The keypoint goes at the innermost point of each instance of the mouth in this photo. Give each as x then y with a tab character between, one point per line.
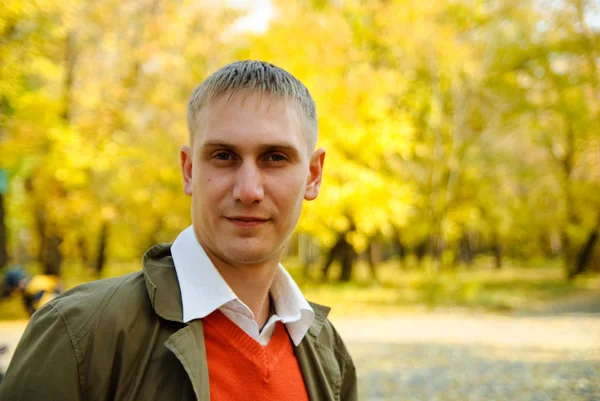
247	221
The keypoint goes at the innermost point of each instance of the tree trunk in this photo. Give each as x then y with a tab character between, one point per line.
52	257
49	253
82	247
346	273
586	252
374	257
497	250
566	253
567	163
465	250
399	249
101	254
437	246
331	255
420	252
347	258
40	226
3	235
345	254
402	255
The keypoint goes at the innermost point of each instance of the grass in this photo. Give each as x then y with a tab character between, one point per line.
515	287
479	289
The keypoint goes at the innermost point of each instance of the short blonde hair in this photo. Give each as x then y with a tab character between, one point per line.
252	76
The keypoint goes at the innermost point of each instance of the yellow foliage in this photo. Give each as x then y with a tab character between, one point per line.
420	108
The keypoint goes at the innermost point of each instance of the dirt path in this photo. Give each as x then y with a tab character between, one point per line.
550	332
10	332
550	353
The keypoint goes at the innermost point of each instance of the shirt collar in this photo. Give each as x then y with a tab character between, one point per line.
203	289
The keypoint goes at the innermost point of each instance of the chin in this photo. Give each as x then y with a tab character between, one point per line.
248	258
248	254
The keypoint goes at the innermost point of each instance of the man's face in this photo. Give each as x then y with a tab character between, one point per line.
248	172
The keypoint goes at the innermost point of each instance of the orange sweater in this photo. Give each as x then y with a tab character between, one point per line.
239	368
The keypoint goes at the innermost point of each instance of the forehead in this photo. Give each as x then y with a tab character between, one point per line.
251	119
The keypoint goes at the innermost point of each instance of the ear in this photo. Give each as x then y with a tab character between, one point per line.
186	169
315	174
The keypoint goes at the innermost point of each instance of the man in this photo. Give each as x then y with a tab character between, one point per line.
214	316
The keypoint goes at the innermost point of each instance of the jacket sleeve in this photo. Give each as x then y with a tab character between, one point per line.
44	365
349	387
349	384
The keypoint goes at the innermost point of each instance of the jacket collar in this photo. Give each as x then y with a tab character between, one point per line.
161	283
321	313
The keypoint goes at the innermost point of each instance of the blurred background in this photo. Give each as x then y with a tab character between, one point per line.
462	180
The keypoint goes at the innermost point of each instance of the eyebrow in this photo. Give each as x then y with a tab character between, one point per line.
284	147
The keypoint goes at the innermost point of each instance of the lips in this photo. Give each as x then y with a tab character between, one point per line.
247	221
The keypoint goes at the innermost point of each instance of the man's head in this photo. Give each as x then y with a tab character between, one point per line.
251	162
242	78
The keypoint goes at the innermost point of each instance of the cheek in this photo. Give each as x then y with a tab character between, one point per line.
288	192
212	188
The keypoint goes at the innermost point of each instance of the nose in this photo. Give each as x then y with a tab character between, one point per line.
248	187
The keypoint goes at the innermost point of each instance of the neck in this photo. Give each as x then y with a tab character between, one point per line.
250	283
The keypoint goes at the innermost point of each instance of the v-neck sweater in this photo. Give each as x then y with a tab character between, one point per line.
240	368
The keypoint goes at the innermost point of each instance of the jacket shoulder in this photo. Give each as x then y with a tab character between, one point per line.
116	298
324	333
326	362
330	336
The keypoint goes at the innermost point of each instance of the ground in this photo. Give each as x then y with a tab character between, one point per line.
552	353
463	358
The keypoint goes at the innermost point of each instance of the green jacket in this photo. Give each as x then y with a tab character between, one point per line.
124	339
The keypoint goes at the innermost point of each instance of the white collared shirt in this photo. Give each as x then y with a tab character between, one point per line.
203	290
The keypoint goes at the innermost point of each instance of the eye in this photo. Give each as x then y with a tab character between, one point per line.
276	157
222	156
